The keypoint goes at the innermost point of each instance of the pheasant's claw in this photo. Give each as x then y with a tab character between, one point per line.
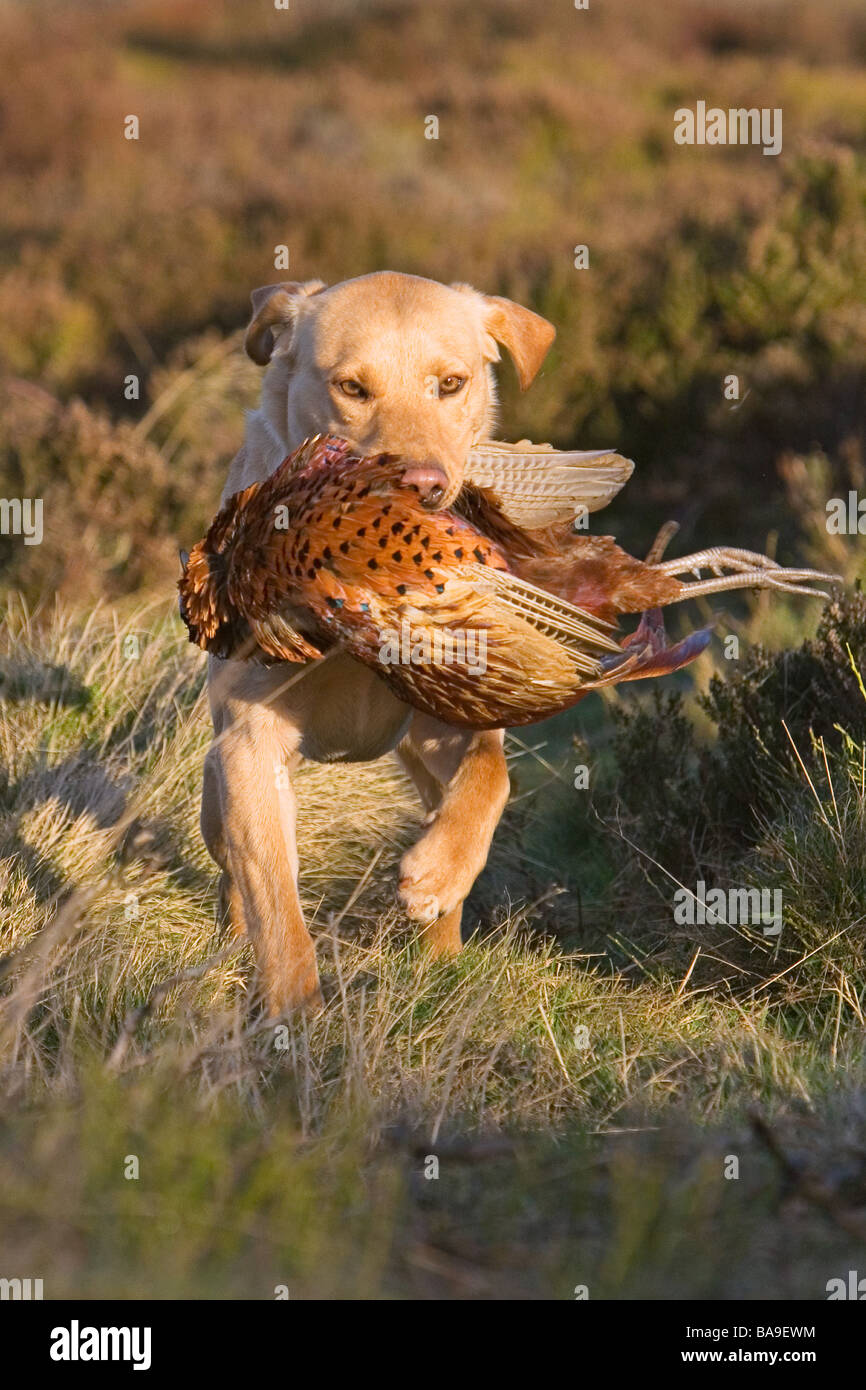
742	569
717	558
780	580
663	539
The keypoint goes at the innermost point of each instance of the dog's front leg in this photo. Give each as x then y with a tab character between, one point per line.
254	843
462	779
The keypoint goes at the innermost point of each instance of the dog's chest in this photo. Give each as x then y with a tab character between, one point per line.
348	715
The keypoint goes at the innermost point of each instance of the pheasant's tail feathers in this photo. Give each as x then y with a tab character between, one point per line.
200	595
277	640
535	485
579	632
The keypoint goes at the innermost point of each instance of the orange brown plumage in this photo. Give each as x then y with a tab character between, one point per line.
333	549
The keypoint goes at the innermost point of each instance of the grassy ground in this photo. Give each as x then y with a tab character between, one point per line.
582	1100
587	1073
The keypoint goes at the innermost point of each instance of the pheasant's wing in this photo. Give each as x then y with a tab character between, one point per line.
469	643
492	651
582	634
535	485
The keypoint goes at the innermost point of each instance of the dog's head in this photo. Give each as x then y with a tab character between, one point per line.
390	362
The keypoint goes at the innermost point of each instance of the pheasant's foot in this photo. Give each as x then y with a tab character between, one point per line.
717	559
742	569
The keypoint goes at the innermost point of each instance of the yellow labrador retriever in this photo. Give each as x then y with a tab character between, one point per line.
391	362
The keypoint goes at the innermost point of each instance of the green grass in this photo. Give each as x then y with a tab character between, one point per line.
581	1106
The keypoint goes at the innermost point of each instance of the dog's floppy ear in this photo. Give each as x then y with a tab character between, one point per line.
526	335
275	308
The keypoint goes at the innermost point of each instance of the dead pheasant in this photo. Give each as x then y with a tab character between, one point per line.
472	614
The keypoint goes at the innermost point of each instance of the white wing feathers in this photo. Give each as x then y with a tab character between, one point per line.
536	485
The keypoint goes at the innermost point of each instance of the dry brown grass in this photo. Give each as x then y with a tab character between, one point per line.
295	1154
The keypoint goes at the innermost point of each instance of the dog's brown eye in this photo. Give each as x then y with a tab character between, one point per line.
353	388
450	385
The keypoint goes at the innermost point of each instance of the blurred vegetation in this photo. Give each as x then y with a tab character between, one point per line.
768	707
585	1067
775	798
306	127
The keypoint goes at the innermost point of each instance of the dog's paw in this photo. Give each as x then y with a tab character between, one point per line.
419	906
292	985
435	876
